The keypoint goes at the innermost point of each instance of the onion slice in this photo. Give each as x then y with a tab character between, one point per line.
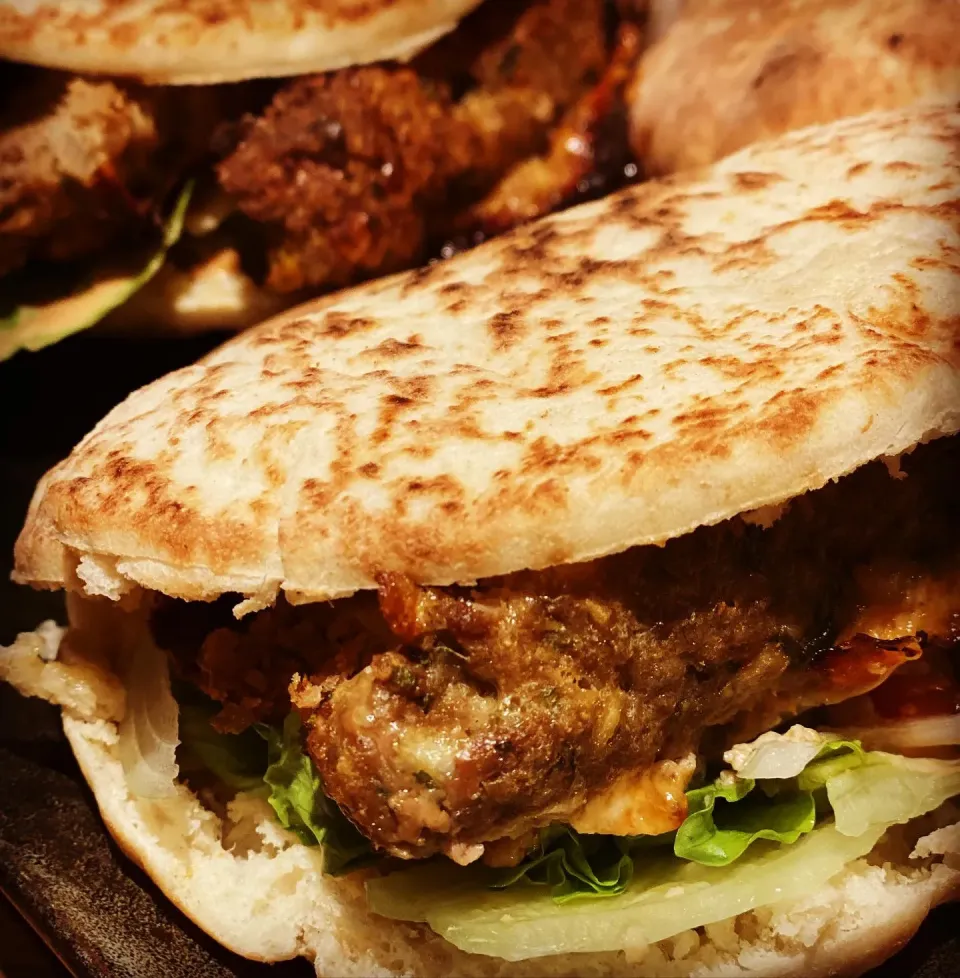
933	731
149	731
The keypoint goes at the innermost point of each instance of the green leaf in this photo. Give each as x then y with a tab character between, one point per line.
536	909
574	865
724	818
238	760
32	327
271	762
297	796
717	834
834	758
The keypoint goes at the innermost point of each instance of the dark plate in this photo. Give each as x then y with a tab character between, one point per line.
97	912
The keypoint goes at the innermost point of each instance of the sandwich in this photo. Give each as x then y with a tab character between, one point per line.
727	73
197	168
585	604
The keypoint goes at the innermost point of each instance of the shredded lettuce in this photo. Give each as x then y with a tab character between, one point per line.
745	842
297	796
32	327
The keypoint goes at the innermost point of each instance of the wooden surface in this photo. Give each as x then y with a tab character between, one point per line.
22	953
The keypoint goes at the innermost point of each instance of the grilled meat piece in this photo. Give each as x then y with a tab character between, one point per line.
351	174
521	704
336	177
586	154
522	80
341	169
510	705
83	161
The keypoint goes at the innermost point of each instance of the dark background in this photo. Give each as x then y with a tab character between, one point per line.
99	913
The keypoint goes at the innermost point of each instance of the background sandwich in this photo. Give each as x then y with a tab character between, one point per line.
470	598
727	73
215	166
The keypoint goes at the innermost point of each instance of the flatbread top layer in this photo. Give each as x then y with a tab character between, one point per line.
615	375
180	42
731	72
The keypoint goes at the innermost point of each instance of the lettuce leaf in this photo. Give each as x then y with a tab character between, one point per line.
717	835
888	789
238	760
832	805
724	818
297	796
32	327
791	769
575	865
271	762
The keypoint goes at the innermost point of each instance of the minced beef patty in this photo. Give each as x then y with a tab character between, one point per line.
444	719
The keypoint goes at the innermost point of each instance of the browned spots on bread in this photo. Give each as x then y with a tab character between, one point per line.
633	380
390	349
904	313
901	166
791	413
754	180
216	28
507	328
339	323
737	368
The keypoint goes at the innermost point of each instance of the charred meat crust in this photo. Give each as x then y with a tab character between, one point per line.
357	172
447	719
341	169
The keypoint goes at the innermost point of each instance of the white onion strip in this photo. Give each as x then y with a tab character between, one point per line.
934	731
149	731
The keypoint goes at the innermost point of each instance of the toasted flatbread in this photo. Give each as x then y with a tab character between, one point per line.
218	41
728	73
615	375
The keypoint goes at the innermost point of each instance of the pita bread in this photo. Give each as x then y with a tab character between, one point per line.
257	891
732	72
171	42
615	375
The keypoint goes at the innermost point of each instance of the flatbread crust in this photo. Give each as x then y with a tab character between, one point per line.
615	375
174	42
732	72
